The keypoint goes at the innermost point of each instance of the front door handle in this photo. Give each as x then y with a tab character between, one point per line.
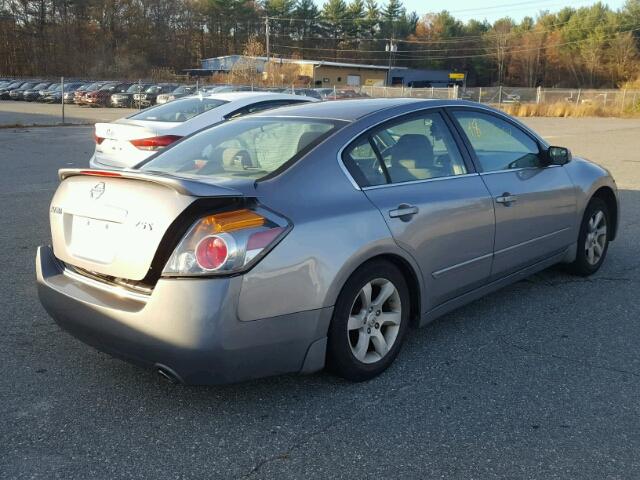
403	212
506	199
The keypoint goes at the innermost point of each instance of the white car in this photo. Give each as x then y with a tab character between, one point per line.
130	140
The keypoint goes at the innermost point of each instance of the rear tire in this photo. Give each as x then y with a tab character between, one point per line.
593	239
369	322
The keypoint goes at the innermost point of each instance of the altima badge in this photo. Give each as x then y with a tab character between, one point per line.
97	191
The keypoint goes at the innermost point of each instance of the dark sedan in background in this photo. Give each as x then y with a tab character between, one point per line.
149	96
5	92
33	94
55	95
181	91
125	99
17	93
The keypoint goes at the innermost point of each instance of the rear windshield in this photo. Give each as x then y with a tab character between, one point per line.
249	147
179	110
137	88
184	89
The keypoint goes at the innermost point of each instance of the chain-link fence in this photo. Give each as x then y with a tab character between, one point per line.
621	99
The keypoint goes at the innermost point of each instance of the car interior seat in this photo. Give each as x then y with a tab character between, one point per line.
412	159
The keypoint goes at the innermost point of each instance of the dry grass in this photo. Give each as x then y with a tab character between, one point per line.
565	109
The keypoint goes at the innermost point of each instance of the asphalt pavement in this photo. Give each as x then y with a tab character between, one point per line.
24	114
539	380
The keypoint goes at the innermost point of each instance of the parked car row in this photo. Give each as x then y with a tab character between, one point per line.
139	94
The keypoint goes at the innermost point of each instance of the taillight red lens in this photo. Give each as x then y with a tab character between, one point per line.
211	253
154	143
98	139
100	173
264	238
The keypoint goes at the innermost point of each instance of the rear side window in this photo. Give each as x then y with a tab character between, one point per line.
498	144
364	165
179	110
419	147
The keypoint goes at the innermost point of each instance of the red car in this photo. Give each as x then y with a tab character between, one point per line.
78	96
102	96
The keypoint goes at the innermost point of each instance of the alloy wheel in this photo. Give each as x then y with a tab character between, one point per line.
596	239
374	320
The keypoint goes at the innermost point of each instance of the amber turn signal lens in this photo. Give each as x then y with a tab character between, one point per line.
231	221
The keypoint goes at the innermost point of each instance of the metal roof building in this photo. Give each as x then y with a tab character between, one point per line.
321	73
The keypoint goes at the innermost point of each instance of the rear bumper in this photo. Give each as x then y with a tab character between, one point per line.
187	326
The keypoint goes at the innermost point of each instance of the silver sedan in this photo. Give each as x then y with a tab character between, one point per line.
314	235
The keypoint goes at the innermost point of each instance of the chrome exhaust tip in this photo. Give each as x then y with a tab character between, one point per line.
168	374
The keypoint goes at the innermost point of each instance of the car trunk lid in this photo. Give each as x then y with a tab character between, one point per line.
112	223
114	147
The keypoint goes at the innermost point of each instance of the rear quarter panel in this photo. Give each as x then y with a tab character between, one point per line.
336	229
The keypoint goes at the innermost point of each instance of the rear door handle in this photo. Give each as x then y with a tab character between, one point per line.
404	212
506	199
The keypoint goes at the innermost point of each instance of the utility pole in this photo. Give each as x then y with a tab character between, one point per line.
391	47
266	36
62	90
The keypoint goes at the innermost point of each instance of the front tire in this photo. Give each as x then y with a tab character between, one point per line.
369	322
593	240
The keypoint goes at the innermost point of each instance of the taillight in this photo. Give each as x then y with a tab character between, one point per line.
98	139
226	243
100	173
211	252
154	143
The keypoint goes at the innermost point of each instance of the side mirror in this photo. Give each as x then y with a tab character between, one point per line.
558	155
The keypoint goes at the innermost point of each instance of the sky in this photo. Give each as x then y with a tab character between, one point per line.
494	9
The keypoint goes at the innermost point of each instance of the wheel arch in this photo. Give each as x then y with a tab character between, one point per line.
607	195
410	272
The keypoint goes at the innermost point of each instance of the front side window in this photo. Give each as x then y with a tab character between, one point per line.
498	144
179	110
249	148
418	148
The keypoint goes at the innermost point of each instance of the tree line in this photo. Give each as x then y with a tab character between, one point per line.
591	46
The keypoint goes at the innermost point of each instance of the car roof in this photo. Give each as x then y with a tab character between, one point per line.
233	96
349	110
354	109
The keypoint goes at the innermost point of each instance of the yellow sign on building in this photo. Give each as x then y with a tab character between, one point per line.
456	76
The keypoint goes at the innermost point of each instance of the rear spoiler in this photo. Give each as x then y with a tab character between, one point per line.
180	185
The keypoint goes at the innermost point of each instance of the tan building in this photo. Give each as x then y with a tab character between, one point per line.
315	73
319	73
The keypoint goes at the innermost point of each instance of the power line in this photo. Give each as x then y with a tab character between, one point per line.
467	38
483	55
493	7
